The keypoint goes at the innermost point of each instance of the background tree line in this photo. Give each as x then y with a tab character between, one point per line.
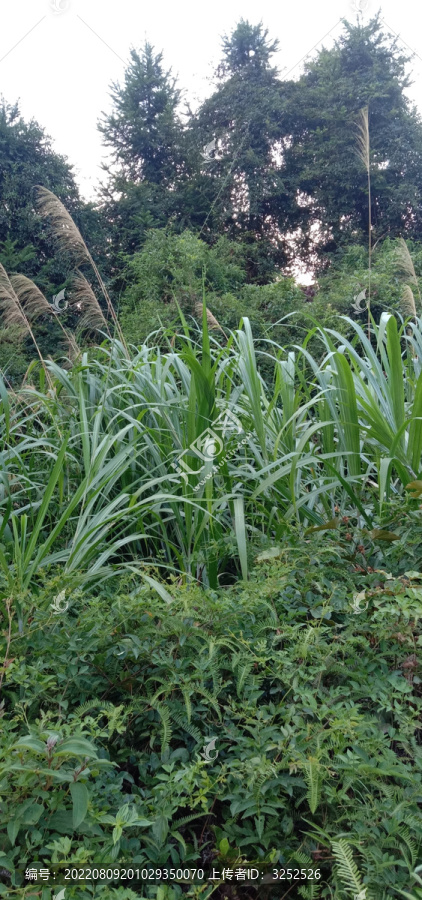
283	184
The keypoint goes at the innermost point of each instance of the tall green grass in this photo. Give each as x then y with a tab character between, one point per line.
89	475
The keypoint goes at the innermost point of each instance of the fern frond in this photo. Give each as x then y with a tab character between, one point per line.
314	782
303	859
86	707
348	871
404	834
211	700
188	704
183	723
184	820
164	714
311	891
244	671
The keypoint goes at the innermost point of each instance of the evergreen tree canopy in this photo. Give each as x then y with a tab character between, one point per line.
143	128
321	165
27	159
281	174
246	48
244	116
144	133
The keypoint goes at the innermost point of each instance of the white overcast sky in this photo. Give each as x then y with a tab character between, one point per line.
58	57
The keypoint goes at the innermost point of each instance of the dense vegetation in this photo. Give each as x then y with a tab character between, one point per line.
307	669
211	482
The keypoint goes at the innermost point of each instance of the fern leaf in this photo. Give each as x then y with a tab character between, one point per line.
188	704
164	714
183	723
348	871
313	780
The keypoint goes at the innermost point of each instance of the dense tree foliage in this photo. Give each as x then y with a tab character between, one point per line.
144	134
244	116
321	165
280	173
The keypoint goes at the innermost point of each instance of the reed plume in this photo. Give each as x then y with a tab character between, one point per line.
35	304
405	264
13	313
68	238
83	299
407	305
211	320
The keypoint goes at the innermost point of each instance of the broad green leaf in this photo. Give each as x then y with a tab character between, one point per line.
332	524
12	831
76	747
27	742
380	534
80	797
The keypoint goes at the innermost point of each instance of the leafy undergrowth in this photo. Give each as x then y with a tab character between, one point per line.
308	679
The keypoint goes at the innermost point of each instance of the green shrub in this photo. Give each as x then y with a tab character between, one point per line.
307	676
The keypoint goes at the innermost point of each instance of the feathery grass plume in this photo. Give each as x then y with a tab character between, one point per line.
35	304
64	231
33	301
212	321
408	308
10	308
405	264
363	151
83	299
68	237
407	303
13	314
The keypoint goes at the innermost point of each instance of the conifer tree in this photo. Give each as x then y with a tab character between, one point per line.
365	68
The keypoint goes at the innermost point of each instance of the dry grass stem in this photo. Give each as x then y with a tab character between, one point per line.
363	138
363	151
